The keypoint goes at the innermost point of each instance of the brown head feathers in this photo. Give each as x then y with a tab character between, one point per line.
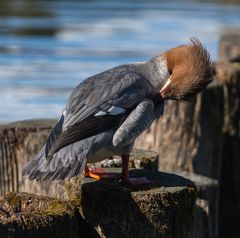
190	70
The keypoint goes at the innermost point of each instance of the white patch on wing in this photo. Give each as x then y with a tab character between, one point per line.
116	110
101	113
111	111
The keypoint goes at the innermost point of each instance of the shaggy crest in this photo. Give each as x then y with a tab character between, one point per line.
190	68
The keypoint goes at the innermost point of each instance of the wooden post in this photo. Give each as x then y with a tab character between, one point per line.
229	49
105	209
203	137
19	143
164	209
206	222
24	215
229	45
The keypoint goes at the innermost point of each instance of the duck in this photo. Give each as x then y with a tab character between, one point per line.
106	112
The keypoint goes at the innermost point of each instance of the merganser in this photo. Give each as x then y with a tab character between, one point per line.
106	113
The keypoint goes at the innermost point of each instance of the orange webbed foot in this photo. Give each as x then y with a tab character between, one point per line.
99	174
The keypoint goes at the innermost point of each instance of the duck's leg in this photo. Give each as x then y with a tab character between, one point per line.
125	171
125	174
99	174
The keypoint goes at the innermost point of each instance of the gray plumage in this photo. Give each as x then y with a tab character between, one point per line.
105	113
103	116
137	121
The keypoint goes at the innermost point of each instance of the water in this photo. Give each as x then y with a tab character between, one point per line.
48	47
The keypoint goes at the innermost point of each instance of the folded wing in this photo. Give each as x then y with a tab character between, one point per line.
138	120
95	107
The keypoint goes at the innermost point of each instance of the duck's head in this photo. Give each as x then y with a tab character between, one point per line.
189	68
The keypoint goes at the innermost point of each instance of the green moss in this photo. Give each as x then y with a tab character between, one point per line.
58	207
72	188
14	201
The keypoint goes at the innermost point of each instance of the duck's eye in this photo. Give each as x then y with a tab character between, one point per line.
173	87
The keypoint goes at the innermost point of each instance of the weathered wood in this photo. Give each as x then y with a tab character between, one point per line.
24	215
206	214
105	209
202	223
207	205
230	173
229	50
229	45
164	209
139	159
19	143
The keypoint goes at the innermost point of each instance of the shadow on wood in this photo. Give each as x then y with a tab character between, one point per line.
163	209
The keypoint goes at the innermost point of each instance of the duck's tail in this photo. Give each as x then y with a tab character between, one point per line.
66	163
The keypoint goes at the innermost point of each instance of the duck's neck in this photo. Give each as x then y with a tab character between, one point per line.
154	70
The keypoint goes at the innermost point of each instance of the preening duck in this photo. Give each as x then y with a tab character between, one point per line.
106	112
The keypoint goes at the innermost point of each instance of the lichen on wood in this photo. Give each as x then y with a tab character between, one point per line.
29	215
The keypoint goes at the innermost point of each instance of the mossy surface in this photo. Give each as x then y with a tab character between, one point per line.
161	209
26	214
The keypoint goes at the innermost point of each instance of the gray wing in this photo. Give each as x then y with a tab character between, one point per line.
97	92
138	120
98	104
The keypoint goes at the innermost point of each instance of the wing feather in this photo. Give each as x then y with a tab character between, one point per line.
95	94
54	134
86	128
138	120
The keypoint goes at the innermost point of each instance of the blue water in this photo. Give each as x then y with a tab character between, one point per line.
48	47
